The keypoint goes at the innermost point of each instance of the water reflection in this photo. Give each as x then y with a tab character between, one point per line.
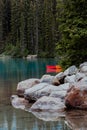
77	119
23	69
16	119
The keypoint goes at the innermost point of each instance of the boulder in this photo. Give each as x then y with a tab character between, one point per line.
71	70
82	64
18	102
79	76
59	94
83	69
46	78
30	94
50	104
69	79
77	95
55	81
43	89
23	85
61	91
84	79
31	57
49	79
60	77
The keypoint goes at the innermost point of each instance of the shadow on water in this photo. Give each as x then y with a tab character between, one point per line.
11	72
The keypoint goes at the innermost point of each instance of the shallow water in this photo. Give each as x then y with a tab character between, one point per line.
11	72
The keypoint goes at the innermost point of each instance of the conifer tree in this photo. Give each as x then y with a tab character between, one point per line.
73	28
15	21
6	17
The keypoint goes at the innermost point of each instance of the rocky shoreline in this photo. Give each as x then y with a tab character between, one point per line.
66	89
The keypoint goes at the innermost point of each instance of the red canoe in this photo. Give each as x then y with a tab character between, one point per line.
53	68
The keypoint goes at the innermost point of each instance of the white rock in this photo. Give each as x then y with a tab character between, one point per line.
59	76
59	94
43	89
18	102
83	64
83	69
79	76
48	104
31	93
71	70
46	78
69	79
23	85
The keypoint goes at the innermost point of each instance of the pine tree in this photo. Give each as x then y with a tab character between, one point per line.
28	27
15	21
47	32
6	17
73	28
1	4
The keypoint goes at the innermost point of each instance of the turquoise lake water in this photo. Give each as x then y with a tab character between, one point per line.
11	72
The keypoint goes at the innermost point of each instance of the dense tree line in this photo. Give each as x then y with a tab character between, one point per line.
47	28
72	19
28	27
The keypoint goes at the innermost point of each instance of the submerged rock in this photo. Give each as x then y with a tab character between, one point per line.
48	104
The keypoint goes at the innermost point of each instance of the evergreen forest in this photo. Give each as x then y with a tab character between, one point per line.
48	28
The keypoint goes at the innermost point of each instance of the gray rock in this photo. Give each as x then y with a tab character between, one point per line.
60	77
48	104
43	89
18	102
59	94
61	91
30	57
83	64
71	70
79	76
77	95
23	85
46	78
69	79
83	69
31	93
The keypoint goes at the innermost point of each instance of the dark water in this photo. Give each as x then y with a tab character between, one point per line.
11	72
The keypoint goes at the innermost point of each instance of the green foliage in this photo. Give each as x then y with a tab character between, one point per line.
14	51
73	32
